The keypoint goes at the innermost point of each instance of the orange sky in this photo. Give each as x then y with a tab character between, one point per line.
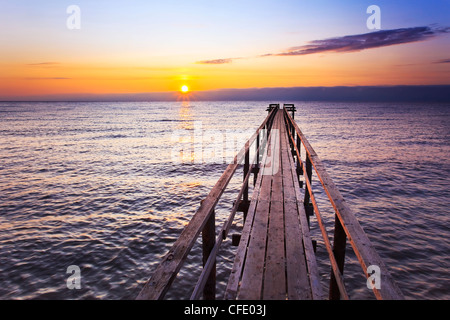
43	57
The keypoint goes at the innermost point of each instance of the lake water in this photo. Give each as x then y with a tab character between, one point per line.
105	187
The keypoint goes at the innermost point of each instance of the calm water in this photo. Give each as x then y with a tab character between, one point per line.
104	186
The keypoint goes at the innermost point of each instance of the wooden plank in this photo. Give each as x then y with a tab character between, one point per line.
211	261
289	194
252	276
275	274
241	253
337	269
363	248
298	284
298	287
161	279
337	287
316	288
253	270
239	260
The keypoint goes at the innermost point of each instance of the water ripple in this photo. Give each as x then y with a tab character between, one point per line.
95	185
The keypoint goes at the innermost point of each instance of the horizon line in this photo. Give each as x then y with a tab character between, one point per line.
438	92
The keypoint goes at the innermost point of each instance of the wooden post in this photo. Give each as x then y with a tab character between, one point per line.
256	165
257	148
208	238
289	132
293	134
299	164
340	240
246	170
308	207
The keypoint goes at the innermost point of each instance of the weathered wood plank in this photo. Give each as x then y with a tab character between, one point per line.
253	269
316	288
236	271
253	272
275	274
336	270
364	250
272	225
158	284
241	253
275	257
210	263
298	286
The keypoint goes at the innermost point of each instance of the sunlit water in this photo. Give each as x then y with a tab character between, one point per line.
103	186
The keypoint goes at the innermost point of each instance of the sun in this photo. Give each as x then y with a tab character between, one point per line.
185	93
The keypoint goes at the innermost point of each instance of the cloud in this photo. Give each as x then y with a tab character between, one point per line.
354	43
365	41
43	64
48	78
443	61
217	61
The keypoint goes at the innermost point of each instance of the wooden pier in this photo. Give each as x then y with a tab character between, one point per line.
275	258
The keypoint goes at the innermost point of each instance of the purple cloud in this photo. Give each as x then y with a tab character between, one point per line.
365	41
357	42
216	61
443	61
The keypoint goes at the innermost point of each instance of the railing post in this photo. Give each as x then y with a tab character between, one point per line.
293	134
256	165
246	170
340	240
208	238
299	161
308	206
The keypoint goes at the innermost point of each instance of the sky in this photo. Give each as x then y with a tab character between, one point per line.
136	46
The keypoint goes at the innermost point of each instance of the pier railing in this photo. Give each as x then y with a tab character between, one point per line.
346	225
203	222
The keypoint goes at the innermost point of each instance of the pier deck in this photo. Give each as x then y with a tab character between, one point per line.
275	258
